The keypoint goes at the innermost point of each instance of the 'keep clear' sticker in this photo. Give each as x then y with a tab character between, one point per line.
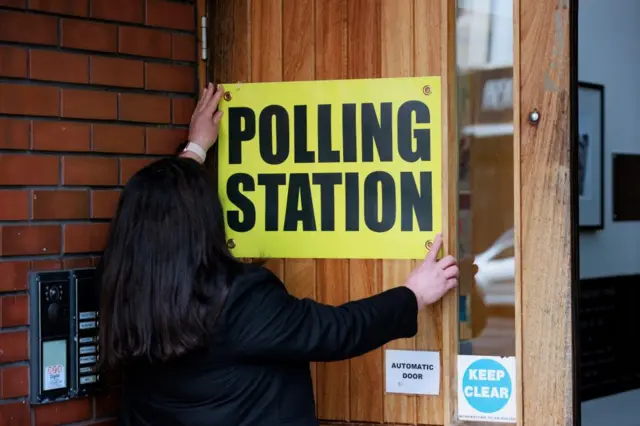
486	391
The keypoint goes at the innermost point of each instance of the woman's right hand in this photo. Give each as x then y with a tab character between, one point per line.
433	278
206	117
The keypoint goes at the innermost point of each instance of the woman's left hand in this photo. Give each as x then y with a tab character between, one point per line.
206	117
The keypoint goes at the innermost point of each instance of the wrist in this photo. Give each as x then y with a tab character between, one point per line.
196	151
419	298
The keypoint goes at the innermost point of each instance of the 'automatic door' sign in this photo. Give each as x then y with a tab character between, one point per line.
332	169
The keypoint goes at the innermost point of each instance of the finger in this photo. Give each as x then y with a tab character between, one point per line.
210	108
435	248
452	283
202	95
451	272
447	261
207	97
217	117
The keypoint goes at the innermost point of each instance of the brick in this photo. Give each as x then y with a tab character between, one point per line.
13	276
87	35
77	263
14	381
182	110
170	78
104	203
183	47
145	42
13	62
179	16
14	310
31	240
62	7
46	265
118	10
14	346
29	170
85	237
95	171
91	104
164	140
14	133
42	29
59	205
114	138
62	413
29	100
14	205
58	66
145	108
108	404
61	136
129	167
15	414
117	72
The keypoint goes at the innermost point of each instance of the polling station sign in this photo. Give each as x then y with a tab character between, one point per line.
332	169
486	389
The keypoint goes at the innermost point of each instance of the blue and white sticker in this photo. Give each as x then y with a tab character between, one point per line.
486	388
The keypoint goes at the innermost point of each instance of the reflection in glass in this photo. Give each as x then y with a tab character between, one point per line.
485	181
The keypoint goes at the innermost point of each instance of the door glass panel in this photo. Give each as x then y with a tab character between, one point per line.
485	181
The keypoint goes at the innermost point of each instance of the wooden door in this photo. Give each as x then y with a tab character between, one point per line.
288	40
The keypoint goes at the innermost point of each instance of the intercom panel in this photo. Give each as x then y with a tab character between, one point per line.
64	335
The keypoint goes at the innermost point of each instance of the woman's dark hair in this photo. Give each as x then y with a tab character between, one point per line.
165	272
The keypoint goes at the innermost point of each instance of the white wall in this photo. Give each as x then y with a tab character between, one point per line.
609	54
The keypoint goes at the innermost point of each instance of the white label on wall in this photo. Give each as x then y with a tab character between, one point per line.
87	379
87	350
87	315
87	359
86	325
486	388
412	372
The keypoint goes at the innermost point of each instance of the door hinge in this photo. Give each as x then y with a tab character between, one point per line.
204	52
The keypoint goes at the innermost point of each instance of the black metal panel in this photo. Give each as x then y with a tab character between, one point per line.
608	333
626	187
64	335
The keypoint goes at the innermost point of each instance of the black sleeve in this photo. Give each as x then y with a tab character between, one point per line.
263	320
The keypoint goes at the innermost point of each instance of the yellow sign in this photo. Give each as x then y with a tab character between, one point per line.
345	169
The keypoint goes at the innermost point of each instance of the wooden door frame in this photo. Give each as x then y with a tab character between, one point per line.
545	197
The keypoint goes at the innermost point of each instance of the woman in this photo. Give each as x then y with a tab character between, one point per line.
204	339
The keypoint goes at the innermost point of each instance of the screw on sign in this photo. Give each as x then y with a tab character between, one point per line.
487	386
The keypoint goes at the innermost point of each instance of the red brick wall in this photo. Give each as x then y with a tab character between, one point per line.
90	91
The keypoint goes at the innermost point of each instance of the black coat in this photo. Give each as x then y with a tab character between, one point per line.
258	371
